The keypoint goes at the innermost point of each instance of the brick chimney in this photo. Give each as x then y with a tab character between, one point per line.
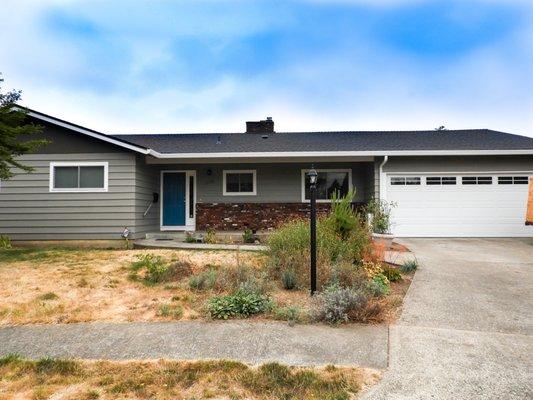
264	126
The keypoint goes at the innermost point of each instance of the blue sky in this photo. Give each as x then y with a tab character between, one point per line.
207	65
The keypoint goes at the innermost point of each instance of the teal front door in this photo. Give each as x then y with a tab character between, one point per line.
174	192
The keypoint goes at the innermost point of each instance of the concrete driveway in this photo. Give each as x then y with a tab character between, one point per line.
466	331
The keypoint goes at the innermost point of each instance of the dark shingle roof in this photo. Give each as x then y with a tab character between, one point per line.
471	139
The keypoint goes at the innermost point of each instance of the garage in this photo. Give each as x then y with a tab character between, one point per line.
459	205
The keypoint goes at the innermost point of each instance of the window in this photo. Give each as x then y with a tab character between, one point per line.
510	180
239	183
477	180
78	177
328	182
405	180
441	180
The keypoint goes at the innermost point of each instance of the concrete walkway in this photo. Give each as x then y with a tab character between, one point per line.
249	342
466	331
180	244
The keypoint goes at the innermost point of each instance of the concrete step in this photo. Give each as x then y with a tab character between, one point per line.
180	235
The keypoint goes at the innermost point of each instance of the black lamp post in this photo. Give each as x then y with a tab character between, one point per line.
312	188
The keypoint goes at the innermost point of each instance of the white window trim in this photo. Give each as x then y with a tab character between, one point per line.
79	164
305	171
239	171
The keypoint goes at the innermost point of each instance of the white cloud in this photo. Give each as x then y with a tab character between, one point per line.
367	89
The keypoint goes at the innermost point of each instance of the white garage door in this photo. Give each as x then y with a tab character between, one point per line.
453	205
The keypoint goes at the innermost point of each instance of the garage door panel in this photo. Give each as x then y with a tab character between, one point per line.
459	210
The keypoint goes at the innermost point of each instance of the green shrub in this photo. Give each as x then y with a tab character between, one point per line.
392	274
239	304
342	214
288	279
347	275
205	280
409	266
334	305
289	248
248	236
5	242
210	236
381	212
189	238
380	285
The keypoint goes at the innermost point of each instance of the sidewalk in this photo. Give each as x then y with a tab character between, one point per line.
249	342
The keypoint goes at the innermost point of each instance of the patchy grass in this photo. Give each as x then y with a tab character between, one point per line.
52	378
67	285
64	285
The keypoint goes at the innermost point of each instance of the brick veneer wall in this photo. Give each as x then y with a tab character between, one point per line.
256	216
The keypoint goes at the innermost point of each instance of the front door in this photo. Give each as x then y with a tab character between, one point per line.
174	199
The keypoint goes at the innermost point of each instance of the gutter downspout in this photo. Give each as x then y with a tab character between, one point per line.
383	180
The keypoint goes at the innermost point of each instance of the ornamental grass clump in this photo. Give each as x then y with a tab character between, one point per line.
342	238
409	266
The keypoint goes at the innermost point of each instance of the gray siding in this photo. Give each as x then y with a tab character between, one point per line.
276	183
146	183
29	211
459	164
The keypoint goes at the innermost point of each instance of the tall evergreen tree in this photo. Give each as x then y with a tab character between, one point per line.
14	127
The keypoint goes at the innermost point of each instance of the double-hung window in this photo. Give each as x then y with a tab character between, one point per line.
78	176
239	182
328	182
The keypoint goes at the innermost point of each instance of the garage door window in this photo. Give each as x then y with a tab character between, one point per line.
441	180
512	180
477	180
405	180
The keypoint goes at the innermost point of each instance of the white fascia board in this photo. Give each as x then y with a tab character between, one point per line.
100	136
297	154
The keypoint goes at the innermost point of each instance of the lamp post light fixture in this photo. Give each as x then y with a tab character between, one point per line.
313	175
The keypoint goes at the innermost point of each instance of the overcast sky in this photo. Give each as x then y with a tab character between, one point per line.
202	66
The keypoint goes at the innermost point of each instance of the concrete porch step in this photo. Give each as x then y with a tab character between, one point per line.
180	235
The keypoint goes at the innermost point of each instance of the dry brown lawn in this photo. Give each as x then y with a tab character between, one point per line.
43	285
86	380
65	286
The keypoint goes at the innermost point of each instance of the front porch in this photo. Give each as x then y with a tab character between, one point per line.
230	198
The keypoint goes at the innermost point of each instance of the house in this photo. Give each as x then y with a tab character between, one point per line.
89	185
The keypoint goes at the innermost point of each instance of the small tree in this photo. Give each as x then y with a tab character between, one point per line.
13	125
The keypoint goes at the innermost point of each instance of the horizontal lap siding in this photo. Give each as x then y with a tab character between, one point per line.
28	211
276	183
146	183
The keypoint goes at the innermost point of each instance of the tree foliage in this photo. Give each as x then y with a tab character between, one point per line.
14	127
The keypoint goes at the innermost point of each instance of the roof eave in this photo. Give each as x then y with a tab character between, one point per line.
297	154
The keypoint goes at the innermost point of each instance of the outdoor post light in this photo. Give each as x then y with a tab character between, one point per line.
312	188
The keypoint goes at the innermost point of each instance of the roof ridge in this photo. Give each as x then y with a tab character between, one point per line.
307	132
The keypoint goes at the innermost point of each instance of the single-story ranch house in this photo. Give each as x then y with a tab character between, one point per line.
89	185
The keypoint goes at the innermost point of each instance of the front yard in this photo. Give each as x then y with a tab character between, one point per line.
354	283
66	286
